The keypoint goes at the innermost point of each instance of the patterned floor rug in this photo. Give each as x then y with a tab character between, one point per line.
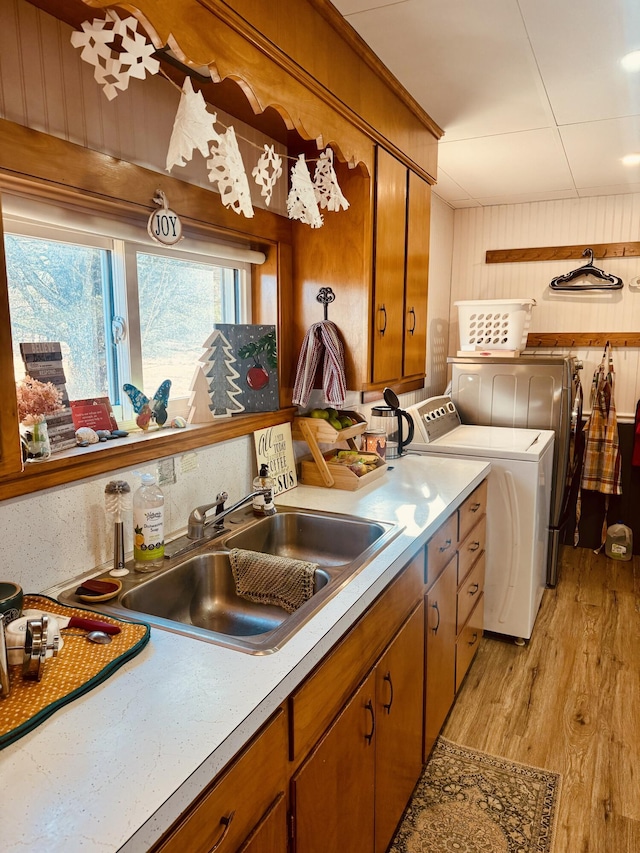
470	802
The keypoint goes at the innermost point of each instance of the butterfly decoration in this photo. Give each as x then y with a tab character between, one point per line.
146	409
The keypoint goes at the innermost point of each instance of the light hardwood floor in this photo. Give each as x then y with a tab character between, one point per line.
570	701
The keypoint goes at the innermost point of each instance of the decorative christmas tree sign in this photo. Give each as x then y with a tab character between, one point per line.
242	369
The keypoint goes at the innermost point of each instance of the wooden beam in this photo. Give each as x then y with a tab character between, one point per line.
581	340
562	253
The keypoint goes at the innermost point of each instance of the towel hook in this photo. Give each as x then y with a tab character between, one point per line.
325	295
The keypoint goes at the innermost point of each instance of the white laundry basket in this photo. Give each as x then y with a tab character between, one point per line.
496	324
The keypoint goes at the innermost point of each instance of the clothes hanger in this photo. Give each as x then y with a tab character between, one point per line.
563	282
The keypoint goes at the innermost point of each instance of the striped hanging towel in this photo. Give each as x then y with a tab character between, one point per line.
601	464
321	336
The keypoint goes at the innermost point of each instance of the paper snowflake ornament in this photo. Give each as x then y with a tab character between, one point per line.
226	169
301	201
193	127
328	192
116	50
267	171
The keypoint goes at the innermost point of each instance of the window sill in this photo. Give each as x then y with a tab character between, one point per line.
79	463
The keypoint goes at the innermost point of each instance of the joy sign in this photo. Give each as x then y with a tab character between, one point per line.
164	225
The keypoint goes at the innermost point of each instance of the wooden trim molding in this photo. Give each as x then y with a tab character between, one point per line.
562	253
138	448
581	340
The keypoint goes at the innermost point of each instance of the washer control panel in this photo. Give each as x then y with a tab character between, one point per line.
434	418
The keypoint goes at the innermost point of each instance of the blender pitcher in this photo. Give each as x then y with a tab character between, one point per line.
389	418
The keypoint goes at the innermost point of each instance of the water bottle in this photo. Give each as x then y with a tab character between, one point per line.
619	542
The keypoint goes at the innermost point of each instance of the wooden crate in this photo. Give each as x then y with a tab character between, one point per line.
313	474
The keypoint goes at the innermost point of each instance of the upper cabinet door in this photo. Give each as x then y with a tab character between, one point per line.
10	452
417	276
389	258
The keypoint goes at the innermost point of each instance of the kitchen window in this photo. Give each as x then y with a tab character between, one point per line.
123	308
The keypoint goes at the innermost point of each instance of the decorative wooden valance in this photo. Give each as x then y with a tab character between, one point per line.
562	253
581	340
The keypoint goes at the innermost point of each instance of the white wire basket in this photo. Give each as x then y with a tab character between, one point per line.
494	324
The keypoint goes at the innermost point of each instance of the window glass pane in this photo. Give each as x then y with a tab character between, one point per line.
179	301
56	293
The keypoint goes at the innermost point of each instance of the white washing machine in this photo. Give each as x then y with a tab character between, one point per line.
519	496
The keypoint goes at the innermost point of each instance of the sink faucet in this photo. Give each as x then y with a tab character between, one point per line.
197	518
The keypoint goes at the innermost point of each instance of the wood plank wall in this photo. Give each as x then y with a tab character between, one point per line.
600	219
46	86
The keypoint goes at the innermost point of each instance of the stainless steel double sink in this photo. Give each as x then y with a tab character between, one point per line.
195	593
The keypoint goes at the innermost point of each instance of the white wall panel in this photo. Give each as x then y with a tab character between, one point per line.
603	219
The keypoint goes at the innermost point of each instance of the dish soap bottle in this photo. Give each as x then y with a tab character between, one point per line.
148	525
263	504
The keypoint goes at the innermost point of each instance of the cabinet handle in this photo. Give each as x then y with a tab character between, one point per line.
387	707
413	328
383	310
474	546
473	588
446	546
369	707
226	823
437	609
475	507
474	639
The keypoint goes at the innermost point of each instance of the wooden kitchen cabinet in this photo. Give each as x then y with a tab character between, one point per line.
240	801
10	450
454	579
440	641
401	264
398	707
353	783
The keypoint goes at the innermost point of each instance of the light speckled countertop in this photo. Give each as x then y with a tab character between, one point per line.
112	770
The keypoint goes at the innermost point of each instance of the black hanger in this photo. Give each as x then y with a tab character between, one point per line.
563	282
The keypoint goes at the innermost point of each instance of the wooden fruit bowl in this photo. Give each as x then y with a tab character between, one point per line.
323	432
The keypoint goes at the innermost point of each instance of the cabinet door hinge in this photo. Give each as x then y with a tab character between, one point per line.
292	826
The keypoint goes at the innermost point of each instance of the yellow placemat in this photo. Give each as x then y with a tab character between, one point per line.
78	666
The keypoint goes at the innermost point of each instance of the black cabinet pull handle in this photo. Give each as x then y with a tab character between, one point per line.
437	609
475	507
474	639
225	823
383	310
369	707
413	327
473	588
387	706
446	546
474	546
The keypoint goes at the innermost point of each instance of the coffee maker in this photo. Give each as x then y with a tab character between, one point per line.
390	419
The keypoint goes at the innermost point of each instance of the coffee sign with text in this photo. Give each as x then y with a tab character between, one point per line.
274	447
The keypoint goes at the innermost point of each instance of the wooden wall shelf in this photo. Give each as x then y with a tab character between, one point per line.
581	340
562	253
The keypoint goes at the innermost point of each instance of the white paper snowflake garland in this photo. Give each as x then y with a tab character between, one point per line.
328	192
267	171
116	50
301	201
226	169
193	127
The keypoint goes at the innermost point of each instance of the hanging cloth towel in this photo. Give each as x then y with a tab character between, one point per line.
601	465
323	336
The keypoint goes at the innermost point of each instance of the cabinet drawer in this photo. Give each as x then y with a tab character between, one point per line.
471	548
316	702
441	547
228	811
470	590
468	642
471	510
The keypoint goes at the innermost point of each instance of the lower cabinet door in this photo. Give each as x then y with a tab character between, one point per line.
332	793
440	627
270	835
399	700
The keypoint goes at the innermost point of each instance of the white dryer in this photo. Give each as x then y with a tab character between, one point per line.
519	496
